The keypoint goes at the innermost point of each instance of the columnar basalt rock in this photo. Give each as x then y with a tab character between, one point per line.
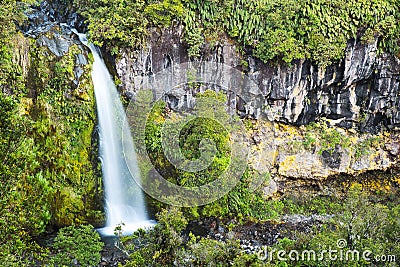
360	91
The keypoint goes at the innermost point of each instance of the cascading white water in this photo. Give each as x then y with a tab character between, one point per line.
124	198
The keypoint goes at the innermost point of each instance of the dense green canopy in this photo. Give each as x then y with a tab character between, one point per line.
272	29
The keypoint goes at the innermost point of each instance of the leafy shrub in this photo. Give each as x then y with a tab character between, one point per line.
124	23
191	135
159	245
364	147
77	245
24	188
327	137
207	252
162	13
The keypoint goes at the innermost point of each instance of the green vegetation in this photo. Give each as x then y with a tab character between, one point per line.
41	183
63	120
361	222
309	141
241	201
11	12
332	138
24	191
48	172
364	147
77	246
327	137
272	30
159	246
165	245
124	23
189	142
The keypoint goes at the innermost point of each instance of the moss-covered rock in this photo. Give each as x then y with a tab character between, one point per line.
317	152
50	174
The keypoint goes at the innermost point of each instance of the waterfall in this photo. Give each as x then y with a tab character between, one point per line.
123	197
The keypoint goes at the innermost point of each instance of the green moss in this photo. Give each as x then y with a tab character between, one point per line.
364	147
65	119
47	174
309	141
327	137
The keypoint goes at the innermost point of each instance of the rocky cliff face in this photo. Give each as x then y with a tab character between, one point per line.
50	25
360	91
355	102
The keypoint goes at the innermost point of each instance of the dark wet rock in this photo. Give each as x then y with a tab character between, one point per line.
57	44
197	228
252	236
52	25
44	16
393	147
111	255
298	218
332	158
